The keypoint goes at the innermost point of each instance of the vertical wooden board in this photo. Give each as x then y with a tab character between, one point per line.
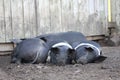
65	8
86	14
103	17
94	18
26	15
33	18
118	15
97	27
113	9
75	12
73	22
106	7
55	15
71	18
8	20
106	16
2	23
29	18
17	18
43	16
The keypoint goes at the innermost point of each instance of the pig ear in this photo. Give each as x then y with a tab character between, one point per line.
89	49
55	50
44	39
100	59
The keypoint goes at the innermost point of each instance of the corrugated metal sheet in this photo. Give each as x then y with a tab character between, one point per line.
28	18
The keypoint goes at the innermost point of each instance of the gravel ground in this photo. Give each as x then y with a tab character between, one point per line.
107	70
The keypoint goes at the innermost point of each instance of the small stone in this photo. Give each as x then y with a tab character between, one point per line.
18	66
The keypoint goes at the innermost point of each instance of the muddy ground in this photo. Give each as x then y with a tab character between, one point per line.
107	70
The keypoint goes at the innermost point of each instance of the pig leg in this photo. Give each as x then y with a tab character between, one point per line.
16	60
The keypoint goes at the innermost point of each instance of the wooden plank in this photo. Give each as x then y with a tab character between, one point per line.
106	16
8	20
81	23
33	18
87	18
55	15
6	47
17	19
65	8
75	12
43	16
73	24
113	10
96	37
103	18
2	22
95	19
5	53
118	15
29	18
26	14
98	28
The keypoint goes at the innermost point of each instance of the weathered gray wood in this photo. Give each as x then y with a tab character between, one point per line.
103	16
5	53
29	18
55	15
98	37
66	14
106	17
17	19
33	18
73	16
98	24
114	9
118	15
43	16
2	22
96	18
6	47
26	17
8	20
86	10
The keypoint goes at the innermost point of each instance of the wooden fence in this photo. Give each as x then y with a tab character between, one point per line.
29	18
115	4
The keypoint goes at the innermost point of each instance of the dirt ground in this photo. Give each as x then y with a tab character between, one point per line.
107	70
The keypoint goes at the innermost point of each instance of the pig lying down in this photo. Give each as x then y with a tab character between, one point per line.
69	37
32	50
85	51
88	52
62	53
36	51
